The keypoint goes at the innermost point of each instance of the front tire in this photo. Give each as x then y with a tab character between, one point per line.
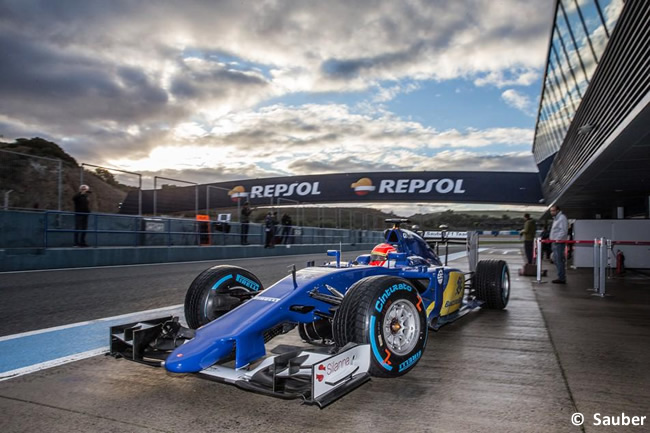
387	313
217	291
492	283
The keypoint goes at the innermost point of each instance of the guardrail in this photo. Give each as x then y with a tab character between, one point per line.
108	230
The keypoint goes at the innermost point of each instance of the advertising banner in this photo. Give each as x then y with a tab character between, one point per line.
442	186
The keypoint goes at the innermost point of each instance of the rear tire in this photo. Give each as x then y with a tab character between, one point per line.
492	283
217	291
387	313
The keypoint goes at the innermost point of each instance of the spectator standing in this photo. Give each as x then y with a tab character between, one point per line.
269	229
528	233
244	220
559	232
286	228
81	209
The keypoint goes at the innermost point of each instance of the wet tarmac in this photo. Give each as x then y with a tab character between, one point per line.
554	351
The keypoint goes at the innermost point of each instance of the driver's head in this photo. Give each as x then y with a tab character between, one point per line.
379	254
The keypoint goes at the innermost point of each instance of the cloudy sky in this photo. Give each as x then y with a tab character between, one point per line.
218	90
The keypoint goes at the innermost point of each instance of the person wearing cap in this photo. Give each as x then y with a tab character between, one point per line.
81	209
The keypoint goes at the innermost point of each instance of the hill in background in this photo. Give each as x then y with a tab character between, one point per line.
34	181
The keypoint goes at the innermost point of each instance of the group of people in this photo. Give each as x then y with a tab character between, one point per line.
272	235
558	233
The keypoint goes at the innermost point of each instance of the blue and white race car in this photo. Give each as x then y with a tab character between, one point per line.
368	317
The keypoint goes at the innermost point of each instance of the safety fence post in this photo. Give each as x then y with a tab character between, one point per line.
602	269
596	267
610	254
45	229
538	243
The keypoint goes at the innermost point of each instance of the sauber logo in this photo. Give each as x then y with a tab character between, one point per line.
363	186
320	377
237	192
409	186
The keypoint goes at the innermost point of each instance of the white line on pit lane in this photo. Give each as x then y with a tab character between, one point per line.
53	363
136	315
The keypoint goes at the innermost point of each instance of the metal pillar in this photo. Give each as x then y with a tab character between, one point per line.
602	274
60	183
538	242
596	266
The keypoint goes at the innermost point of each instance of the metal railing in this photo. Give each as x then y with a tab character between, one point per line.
114	230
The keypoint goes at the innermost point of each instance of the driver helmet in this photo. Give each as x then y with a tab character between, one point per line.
379	254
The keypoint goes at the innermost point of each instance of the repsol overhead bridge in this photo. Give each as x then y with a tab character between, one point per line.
441	186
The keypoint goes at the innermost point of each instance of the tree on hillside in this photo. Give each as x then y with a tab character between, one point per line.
106	176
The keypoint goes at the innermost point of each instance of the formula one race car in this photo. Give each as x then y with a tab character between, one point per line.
368	317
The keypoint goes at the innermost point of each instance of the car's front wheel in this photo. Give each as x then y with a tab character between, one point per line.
216	291
387	313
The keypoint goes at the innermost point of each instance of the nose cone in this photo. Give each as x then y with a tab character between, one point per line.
197	354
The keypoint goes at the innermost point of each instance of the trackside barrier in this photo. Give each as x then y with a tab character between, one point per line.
126	230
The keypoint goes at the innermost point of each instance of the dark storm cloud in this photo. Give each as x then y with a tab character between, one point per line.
48	85
214	83
345	69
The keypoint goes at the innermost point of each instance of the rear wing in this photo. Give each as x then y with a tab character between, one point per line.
468	238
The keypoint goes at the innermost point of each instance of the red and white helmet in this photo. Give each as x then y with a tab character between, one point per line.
379	254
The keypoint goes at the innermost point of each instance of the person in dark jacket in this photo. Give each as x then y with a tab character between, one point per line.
528	233
244	220
286	228
81	209
269	229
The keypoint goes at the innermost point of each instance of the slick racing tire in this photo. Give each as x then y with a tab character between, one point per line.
387	313
216	291
492	283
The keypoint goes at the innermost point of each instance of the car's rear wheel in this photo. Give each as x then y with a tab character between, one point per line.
492	283
387	313
216	291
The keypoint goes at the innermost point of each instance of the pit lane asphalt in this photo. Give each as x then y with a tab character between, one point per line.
492	370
